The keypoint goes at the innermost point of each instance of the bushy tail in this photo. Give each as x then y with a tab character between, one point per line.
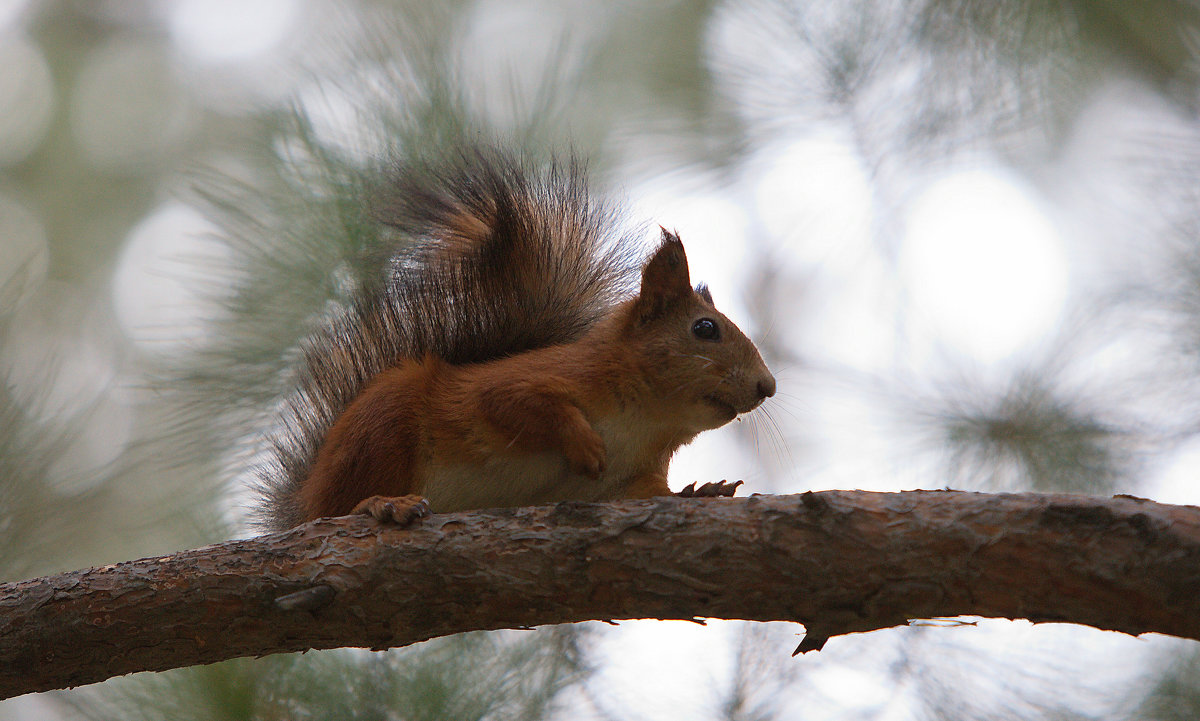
499	257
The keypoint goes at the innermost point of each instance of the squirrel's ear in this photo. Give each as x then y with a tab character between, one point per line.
665	279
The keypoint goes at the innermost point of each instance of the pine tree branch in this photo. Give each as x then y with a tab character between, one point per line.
837	561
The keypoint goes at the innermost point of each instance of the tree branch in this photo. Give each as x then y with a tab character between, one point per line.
838	562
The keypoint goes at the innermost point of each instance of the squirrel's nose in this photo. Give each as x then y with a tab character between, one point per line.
766	386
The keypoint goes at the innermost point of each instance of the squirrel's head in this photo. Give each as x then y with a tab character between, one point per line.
713	370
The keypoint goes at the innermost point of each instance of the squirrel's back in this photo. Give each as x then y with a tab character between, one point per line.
495	255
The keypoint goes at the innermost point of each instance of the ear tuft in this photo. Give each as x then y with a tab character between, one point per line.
671	250
665	279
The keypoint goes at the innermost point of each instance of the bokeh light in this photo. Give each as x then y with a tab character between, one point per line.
157	295
814	197
229	31
984	264
10	10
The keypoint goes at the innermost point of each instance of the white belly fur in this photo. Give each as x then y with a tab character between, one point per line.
538	478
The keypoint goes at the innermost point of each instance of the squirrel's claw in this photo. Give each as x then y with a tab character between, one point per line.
398	510
710	490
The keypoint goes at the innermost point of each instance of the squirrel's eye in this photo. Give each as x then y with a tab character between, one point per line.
706	329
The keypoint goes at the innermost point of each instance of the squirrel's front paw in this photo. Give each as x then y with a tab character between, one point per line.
585	454
710	490
400	510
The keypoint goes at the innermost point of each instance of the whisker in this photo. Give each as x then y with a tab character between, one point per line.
783	407
780	442
769	426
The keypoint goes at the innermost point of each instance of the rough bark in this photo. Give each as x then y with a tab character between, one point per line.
838	562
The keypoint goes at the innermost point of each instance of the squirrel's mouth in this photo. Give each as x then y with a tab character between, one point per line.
726	408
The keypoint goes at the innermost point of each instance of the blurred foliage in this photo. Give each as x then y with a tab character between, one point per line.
27	498
280	152
761	683
1173	696
469	677
1032	436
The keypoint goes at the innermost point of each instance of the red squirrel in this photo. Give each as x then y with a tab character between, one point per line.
515	356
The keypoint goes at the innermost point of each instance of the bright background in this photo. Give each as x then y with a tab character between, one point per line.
964	235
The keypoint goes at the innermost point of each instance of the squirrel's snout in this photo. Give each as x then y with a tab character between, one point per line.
766	387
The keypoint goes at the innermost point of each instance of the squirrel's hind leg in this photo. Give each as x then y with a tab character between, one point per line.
400	510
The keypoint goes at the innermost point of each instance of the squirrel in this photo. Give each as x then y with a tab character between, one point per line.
514	355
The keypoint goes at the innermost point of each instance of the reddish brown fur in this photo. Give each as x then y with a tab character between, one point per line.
641	376
372	448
